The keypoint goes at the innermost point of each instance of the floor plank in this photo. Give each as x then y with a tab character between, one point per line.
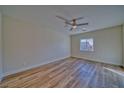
68	73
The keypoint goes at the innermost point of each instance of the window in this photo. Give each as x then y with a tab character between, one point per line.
86	44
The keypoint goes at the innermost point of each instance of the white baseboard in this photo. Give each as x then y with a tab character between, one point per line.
30	67
101	61
115	71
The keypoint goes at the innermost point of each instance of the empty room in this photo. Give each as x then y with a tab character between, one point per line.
61	46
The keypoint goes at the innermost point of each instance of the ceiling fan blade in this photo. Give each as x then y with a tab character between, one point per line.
79	18
62	18
82	24
71	29
68	23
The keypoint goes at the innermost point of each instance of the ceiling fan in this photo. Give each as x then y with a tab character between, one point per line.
72	22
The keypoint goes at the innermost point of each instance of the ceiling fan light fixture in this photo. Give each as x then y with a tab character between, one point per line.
74	27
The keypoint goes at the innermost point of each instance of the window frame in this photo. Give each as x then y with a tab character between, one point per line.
86	50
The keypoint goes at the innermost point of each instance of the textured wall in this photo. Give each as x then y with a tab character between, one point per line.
27	45
107	45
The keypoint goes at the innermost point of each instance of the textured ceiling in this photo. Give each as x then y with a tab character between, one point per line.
99	17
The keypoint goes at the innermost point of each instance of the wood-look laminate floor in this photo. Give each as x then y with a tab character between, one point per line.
68	73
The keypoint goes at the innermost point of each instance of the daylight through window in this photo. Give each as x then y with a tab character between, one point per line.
86	44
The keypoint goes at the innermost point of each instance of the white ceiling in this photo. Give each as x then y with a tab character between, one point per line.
99	17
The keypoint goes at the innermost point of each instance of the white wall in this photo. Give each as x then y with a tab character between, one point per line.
1	59
27	45
107	45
